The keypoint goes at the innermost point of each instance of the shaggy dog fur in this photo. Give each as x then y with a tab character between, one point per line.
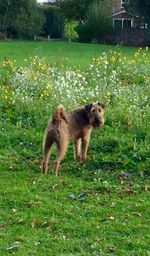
74	125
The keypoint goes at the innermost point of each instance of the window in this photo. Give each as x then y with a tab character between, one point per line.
123	2
122	23
117	24
127	24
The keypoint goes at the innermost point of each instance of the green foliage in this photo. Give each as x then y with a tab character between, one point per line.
54	22
98	22
141	8
98	18
20	19
70	30
85	32
73	9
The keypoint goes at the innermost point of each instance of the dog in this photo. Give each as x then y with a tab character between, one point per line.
73	125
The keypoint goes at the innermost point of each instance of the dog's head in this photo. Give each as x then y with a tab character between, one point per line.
95	114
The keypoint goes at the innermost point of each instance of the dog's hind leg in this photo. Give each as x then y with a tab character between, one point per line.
46	153
61	147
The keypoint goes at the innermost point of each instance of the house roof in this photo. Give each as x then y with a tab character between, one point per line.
123	14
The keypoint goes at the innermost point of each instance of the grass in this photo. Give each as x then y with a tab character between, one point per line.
100	207
72	54
40	218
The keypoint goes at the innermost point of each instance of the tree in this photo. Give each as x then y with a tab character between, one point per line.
141	8
54	21
21	18
70	30
74	9
99	18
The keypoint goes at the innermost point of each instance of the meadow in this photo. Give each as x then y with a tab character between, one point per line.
100	207
73	54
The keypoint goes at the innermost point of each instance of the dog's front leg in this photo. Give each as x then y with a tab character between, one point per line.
85	143
77	150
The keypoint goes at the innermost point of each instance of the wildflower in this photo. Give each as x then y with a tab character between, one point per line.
113	58
48	86
136	54
132	61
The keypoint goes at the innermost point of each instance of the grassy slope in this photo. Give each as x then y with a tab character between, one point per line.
38	214
39	217
76	53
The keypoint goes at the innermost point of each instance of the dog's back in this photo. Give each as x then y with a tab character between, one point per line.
77	122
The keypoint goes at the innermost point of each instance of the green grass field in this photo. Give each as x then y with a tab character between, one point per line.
102	206
73	54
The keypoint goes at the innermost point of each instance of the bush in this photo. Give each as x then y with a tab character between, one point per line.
98	22
2	36
85	32
99	19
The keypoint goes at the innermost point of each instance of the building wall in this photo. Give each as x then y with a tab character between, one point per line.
117	6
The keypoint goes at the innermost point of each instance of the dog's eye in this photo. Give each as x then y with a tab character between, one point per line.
99	110
93	110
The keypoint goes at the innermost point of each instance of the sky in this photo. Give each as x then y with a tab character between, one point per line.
41	1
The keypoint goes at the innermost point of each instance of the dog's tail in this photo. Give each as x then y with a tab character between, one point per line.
59	114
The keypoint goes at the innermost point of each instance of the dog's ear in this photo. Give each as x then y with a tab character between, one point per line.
88	107
102	105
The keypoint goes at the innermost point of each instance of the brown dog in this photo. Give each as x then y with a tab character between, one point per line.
74	125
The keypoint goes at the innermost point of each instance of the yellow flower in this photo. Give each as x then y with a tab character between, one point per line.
136	54
48	86
113	58
132	61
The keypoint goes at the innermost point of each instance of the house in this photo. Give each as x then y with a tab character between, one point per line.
129	29
121	18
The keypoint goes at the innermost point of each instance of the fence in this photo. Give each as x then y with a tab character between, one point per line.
130	36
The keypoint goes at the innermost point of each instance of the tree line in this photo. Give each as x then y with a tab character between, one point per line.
85	19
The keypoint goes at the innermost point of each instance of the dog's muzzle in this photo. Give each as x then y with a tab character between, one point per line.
98	122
